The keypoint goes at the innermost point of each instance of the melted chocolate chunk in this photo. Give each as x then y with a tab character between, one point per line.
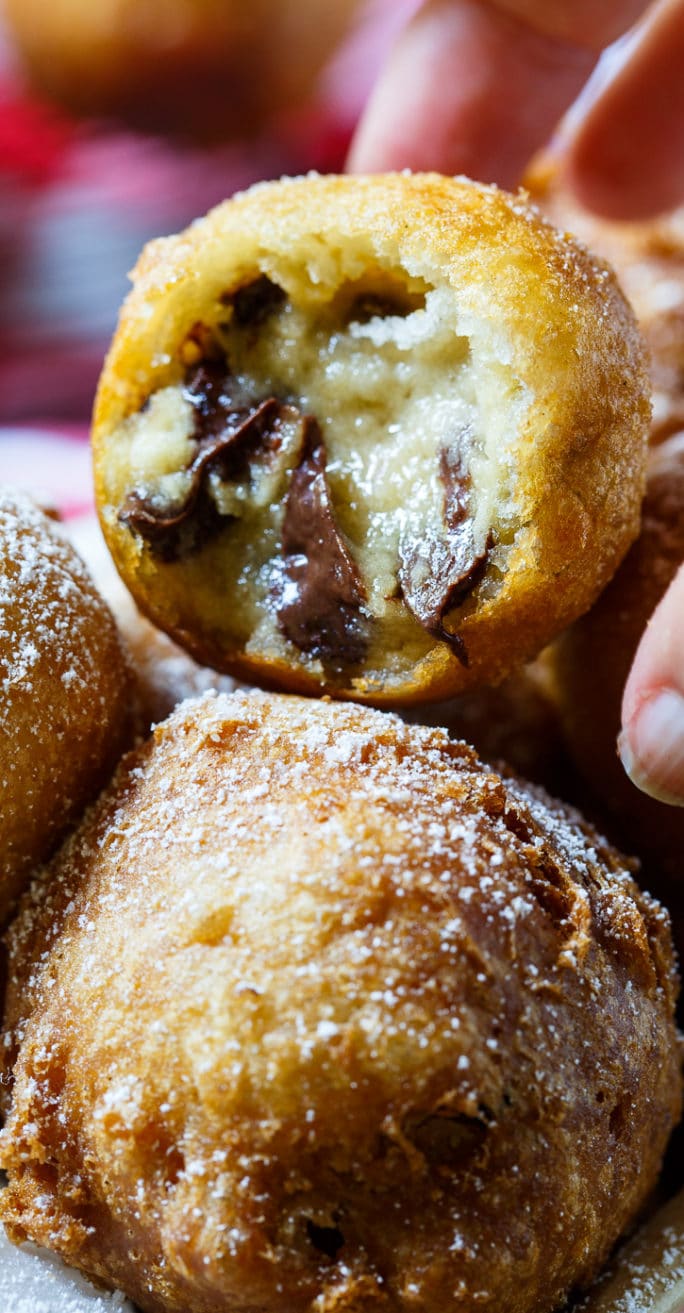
253	304
321	602
438	573
218	400
230	429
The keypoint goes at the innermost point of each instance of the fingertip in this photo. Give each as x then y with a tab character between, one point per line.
606	194
625	159
621	179
651	742
651	747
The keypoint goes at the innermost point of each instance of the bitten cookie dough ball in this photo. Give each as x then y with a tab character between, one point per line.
204	69
317	1013
378	437
590	667
64	690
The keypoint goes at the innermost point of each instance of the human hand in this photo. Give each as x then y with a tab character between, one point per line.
477	87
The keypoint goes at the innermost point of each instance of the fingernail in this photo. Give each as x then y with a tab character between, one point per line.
651	747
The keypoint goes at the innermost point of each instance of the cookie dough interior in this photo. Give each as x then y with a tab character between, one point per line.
344	462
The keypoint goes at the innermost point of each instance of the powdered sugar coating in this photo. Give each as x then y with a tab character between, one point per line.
317	1009
33	1281
63	688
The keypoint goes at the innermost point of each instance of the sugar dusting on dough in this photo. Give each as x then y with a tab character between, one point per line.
63	685
34	1281
39	569
378	934
647	1273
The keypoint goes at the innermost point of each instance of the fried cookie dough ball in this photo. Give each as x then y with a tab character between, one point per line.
64	690
378	437
590	667
318	1013
205	69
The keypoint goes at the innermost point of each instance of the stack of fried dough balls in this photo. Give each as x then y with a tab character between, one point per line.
316	1012
65	688
586	670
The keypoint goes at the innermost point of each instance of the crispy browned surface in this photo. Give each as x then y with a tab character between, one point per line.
332	1018
64	690
204	68
591	662
533	300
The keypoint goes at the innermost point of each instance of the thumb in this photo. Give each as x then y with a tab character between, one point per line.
651	743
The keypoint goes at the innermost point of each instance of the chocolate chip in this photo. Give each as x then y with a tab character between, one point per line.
172	533
217	399
321	603
230	429
253	303
439	572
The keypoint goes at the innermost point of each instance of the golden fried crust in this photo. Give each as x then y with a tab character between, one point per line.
317	1013
204	68
64	690
554	374
590	665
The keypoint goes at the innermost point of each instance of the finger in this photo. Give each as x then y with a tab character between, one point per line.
455	95
583	22
626	160
651	744
477	88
